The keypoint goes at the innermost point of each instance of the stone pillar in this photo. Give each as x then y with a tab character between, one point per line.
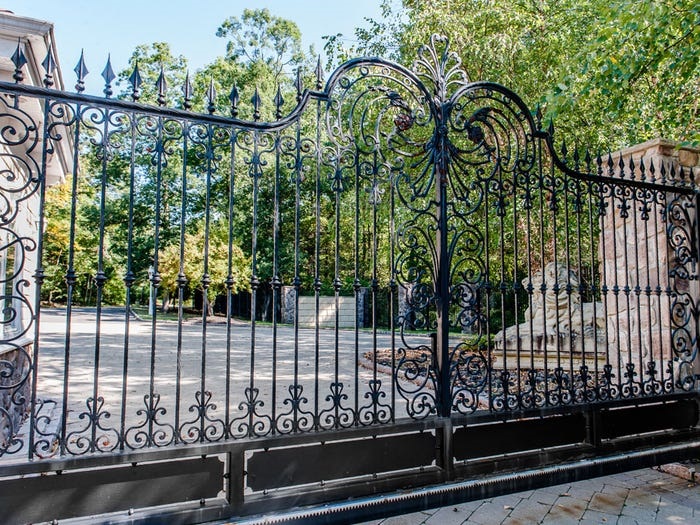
640	265
288	304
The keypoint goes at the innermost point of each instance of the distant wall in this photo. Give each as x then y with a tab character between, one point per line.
349	309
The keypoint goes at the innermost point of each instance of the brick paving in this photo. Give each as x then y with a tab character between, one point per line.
638	497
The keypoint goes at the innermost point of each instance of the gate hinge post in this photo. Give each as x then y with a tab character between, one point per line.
592	417
444	457
236	474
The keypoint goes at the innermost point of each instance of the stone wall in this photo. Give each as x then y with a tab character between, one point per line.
637	258
15	391
349	309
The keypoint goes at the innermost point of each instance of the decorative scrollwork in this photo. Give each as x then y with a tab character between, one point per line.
375	412
152	431
416	380
296	418
336	415
93	435
203	427
252	423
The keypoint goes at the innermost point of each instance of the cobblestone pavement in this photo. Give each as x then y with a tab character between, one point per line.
639	497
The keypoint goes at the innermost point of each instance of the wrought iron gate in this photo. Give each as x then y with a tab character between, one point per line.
479	302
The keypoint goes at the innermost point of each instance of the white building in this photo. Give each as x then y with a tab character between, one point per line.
22	166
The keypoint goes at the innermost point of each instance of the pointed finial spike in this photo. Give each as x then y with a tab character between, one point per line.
211	97
298	84
279	101
109	76
319	74
81	72
256	104
652	170
135	81
538	116
621	165
187	92
49	65
19	60
550	130
162	87
577	158
234	98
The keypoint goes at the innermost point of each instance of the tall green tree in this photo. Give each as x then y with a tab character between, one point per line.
611	73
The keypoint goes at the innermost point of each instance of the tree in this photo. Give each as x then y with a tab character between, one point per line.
640	74
611	74
259	38
193	250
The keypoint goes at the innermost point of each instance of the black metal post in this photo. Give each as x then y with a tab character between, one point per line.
442	274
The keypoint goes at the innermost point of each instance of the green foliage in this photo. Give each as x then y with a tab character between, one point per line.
259	38
641	71
611	73
58	249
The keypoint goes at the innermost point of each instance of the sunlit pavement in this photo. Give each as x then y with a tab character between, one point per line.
638	497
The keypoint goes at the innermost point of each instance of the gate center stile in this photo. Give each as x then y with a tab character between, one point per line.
442	286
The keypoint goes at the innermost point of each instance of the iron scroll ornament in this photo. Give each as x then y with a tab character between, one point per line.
445	146
451	149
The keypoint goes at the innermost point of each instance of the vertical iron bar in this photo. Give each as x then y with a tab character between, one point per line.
206	280
181	282
317	264
254	282
38	276
543	288
375	281
627	288
128	279
578	211
336	286
595	288
637	288
487	286
502	287
356	285
658	290
569	287
515	289
616	283
296	393
604	288
276	282
100	278
554	208
392	292
155	281
442	272
530	320
71	279
647	289
229	279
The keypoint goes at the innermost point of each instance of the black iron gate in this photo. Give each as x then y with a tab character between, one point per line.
435	295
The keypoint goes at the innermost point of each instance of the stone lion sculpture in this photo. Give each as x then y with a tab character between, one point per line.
556	312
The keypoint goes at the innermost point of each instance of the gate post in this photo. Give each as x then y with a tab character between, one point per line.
442	273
